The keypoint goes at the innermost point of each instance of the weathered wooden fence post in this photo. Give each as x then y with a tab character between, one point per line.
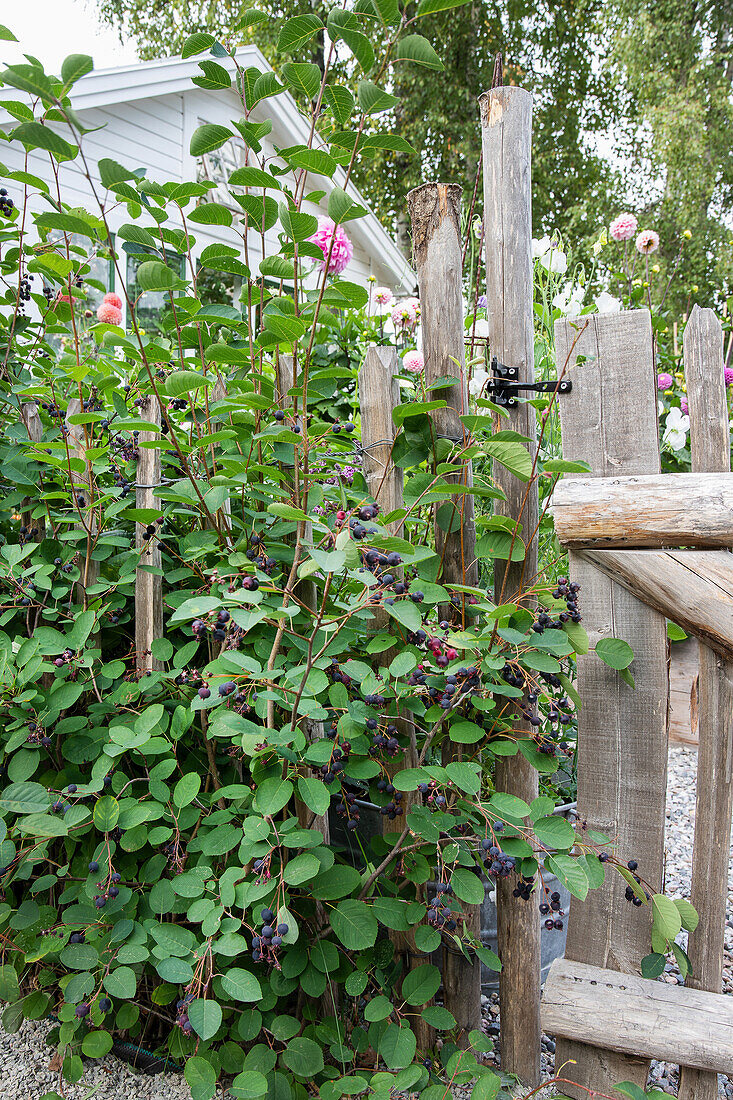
81	488
379	394
31	420
436	241
610	421
506	121
710	450
148	577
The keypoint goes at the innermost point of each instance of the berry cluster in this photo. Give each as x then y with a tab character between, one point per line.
24	288
37	735
339	759
498	863
66	658
630	895
111	890
265	945
347	807
6	203
439	914
182	1019
553	906
394	807
175	853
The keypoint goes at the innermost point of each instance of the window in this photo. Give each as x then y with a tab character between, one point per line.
150	305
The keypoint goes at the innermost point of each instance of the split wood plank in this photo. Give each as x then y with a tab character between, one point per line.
622	732
693	509
625	1013
694	588
710	450
148	584
506	125
379	394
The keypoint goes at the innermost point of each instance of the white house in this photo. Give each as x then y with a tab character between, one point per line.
143	116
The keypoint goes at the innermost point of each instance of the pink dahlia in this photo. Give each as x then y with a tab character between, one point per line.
664	381
113	300
684	407
413	361
623	227
728	372
109	314
383	296
341	250
414	305
647	242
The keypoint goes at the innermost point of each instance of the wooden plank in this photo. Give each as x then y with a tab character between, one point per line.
651	1019
655	512
692	587
506	126
148	586
710	450
379	394
622	733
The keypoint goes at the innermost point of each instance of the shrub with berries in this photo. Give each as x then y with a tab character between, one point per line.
219	844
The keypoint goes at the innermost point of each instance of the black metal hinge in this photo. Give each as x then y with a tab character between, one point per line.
504	384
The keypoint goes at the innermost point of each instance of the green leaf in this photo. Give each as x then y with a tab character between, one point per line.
272	795
296	31
34	135
96	1044
513	456
314	793
345	25
304	77
249	176
341	208
199	1072
121	982
373	99
6	35
488	1085
397	1046
185	381
614	652
340	102
421	984
74	67
9	988
467	886
653	965
667	917
571	874
155	275
210	213
509	804
378	1008
416	48
186	789
554	832
241	985
303	1056
354	924
197	43
207	138
106	813
688	914
25	798
297	226
406	613
250	1085
205	1017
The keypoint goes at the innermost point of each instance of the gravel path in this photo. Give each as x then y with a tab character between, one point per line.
25	1058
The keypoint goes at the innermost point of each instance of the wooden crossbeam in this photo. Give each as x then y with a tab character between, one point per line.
694	588
658	511
623	1012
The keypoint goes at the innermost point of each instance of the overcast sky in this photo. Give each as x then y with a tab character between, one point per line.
53	29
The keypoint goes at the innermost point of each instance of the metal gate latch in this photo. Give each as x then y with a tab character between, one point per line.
504	384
